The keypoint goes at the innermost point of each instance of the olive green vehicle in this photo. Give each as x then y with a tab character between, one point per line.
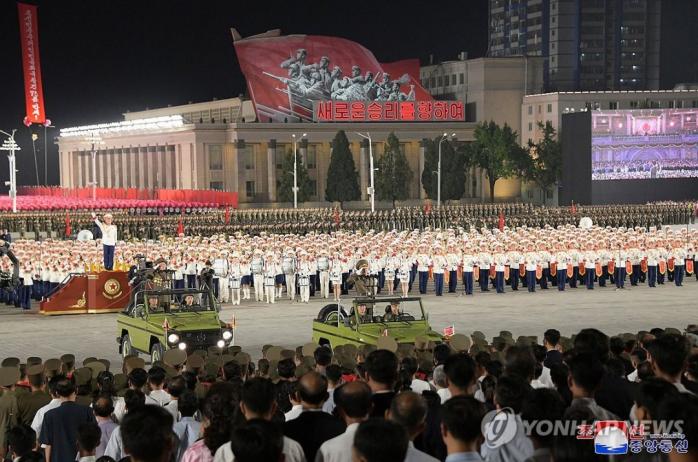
368	318
159	320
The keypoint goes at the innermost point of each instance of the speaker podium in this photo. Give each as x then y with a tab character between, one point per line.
89	293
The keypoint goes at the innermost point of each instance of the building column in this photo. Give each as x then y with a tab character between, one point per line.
303	150
234	169
422	153
271	169
363	169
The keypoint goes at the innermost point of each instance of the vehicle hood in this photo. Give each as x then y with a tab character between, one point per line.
183	322
401	332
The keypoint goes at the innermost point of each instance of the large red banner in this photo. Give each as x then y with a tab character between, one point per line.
29	37
286	75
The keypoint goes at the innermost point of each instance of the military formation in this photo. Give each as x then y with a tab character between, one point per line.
267	267
153	223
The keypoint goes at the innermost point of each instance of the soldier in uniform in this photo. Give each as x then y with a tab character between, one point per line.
9	412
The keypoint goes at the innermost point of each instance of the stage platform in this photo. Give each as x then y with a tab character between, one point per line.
289	324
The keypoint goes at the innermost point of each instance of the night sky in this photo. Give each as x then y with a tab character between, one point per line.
102	58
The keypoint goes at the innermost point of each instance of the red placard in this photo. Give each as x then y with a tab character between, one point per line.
29	38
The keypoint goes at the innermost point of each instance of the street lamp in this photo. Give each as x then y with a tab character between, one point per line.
438	171
295	171
94	139
371	190
47	125
10	145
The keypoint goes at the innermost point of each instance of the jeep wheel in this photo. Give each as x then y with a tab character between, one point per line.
126	347
156	353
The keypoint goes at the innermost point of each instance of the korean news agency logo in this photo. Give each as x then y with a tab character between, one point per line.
611	437
620	437
499	427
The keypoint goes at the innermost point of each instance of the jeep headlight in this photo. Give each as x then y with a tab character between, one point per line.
220	344
172	339
182	346
227	335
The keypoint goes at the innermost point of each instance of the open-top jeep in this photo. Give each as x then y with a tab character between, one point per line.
368	318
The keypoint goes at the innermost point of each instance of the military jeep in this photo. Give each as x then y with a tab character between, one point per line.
161	319
368	318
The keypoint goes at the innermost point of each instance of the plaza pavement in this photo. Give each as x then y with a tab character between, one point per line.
290	324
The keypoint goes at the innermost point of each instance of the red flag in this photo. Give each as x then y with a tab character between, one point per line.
166	325
385	333
427	208
227	215
449	331
33	90
573	208
501	221
336	217
68	230
180	227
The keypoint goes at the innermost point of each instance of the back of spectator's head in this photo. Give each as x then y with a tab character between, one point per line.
103	405
191	379
586	372
89	435
147	434
286	368
682	407
312	388
460	370
381	367
353	399
495	368
649	395
638	355
105	381
65	387
176	386
409	410
616	367
258	397
461	419
592	341
511	392
187	403
263	366
616	345
692	367
53	382
569	448
519	360
323	356
378	440
137	378
543	404
668	354
439	377
644	371
218	410
333	372
21	439
441	352
134	399
104	459
232	371
551	337
156	376
257	440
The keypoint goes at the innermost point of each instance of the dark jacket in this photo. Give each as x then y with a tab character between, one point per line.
311	429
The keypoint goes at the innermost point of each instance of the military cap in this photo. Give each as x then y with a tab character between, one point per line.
405	350
421	342
302	370
120	381
96	367
35	370
212	368
386	343
274	353
68	360
202	353
134	362
234	349
425	361
88	360
194	362
339	349
309	349
33	361
242	358
174	357
106	362
351	350
265	348
347	362
226	358
83	376
288	354
672	330
10	362
627	337
459	342
505	333
52	365
478	335
367	349
8	376
170	371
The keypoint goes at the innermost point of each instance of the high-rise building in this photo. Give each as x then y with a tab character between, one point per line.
587	45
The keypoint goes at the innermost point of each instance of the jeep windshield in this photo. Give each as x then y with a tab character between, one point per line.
389	310
179	301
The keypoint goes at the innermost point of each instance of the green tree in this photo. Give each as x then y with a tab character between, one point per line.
546	159
342	177
496	151
454	161
285	192
394	174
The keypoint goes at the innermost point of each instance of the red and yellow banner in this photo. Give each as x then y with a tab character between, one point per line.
29	37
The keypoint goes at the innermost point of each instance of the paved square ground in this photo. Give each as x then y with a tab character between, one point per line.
289	324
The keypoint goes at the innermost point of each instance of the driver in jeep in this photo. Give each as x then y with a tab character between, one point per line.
392	312
364	314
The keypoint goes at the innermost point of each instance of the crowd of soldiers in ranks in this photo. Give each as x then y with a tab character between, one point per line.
457	261
152	223
428	391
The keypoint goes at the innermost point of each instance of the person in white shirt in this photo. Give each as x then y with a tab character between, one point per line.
408	372
353	402
409	410
257	402
109	238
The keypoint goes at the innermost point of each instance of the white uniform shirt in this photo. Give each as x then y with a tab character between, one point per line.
109	234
